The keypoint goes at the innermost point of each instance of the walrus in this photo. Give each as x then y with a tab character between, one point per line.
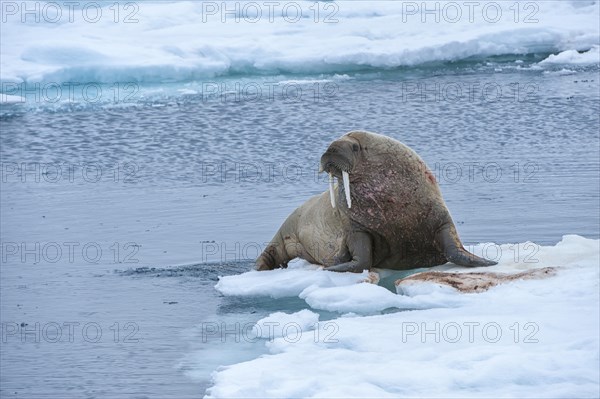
389	214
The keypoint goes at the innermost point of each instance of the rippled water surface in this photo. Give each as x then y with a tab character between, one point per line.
203	183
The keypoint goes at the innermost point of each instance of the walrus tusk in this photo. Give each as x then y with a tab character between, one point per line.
331	191
346	178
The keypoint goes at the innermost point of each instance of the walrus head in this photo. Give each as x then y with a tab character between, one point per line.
345	158
339	161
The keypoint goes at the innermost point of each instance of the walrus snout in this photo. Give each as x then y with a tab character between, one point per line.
336	159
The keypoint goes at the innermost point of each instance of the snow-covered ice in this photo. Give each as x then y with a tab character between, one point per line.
277	324
184	41
525	338
573	57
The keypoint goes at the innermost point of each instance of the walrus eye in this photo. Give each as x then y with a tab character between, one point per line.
355	147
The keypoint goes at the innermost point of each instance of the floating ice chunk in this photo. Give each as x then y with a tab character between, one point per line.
280	283
280	324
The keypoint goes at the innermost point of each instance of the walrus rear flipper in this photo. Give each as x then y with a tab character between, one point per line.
274	256
449	243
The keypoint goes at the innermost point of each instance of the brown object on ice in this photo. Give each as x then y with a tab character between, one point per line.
476	282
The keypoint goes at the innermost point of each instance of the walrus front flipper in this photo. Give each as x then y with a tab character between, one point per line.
449	243
361	249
